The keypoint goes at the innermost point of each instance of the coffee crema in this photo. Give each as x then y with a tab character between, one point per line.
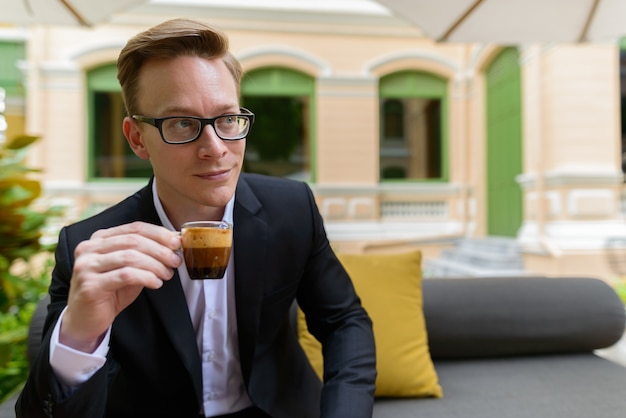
197	237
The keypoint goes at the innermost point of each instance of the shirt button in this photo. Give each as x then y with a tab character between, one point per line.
89	369
212	314
210	356
210	396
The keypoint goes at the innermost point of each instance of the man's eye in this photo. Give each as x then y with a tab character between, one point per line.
184	123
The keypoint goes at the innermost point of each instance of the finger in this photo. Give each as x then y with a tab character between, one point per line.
160	234
117	260
119	286
129	277
132	242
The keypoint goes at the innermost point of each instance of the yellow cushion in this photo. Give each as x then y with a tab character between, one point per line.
390	288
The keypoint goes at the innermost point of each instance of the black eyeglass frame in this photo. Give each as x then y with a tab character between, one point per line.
158	123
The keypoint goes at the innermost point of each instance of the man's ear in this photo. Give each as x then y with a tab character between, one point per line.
134	136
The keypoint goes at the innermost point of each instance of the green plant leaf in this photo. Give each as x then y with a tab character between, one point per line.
14	336
20	192
20	142
4	263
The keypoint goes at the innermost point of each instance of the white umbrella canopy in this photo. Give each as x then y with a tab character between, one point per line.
514	21
62	12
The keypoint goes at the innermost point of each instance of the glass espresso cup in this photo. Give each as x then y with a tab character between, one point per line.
206	248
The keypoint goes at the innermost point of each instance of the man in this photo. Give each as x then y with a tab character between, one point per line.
129	334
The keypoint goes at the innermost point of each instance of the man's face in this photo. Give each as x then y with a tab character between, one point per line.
197	179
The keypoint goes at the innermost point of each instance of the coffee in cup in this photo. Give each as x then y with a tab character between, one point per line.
206	248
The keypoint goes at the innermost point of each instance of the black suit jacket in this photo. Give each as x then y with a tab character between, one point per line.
153	367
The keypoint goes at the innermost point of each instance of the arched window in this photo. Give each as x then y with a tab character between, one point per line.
413	116
280	143
110	156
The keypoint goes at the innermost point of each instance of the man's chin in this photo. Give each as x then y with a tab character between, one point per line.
217	198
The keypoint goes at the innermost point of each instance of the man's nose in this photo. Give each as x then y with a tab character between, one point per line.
211	144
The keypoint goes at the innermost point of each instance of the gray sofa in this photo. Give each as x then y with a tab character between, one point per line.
520	347
511	348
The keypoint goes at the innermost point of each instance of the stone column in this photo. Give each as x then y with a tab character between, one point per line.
572	173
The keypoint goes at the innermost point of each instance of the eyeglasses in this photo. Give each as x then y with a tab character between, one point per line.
184	129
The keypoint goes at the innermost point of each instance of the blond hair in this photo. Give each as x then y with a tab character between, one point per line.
171	39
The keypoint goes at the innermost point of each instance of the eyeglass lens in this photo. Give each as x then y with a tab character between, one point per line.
184	129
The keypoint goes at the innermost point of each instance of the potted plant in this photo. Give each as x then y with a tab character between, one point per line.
25	262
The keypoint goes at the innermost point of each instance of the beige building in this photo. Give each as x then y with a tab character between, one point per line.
405	142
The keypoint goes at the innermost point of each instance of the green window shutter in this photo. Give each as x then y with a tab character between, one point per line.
504	144
10	75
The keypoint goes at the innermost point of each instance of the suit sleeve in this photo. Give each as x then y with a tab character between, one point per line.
42	395
337	319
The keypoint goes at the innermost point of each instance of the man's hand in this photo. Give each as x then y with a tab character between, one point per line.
110	270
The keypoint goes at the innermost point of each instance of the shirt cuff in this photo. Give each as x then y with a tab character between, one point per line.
73	367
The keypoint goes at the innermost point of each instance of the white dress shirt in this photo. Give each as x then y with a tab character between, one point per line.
211	305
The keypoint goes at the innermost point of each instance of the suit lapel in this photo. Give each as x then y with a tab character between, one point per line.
251	235
170	305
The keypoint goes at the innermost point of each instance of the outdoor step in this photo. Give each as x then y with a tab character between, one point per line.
447	268
479	254
490	256
497	245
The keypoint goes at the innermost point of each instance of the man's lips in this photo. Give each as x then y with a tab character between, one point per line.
214	175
